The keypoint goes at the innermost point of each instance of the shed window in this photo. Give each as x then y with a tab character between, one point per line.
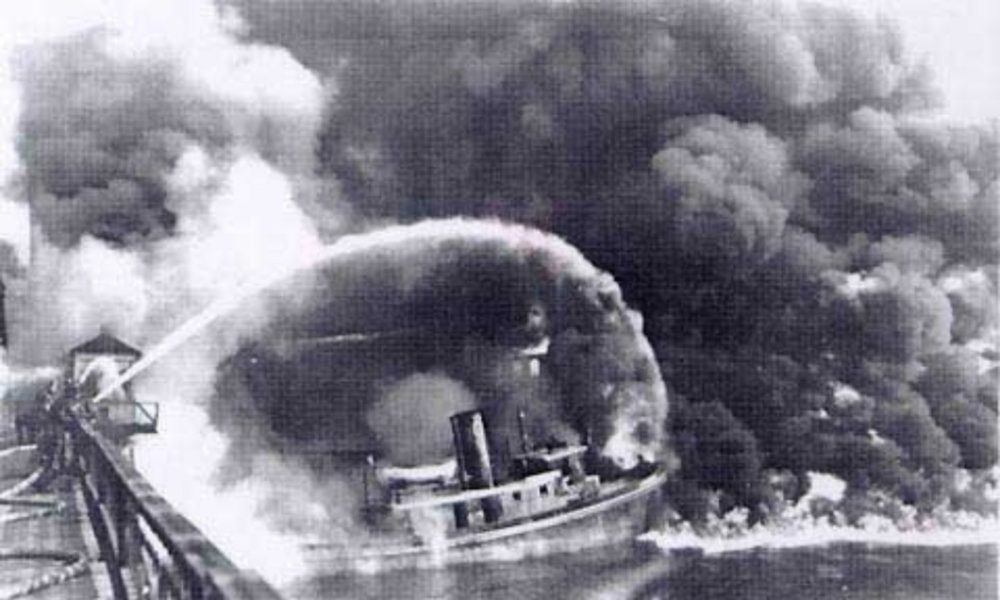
544	490
517	496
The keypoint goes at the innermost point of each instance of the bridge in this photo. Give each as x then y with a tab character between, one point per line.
77	520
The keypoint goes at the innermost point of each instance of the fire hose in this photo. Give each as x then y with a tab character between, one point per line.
22	485
74	564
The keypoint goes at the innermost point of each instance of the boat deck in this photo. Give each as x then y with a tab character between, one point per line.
616	516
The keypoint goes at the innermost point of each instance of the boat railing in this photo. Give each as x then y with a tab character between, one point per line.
430	501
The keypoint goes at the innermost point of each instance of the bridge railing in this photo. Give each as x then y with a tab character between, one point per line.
151	550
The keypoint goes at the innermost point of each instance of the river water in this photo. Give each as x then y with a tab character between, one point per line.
838	570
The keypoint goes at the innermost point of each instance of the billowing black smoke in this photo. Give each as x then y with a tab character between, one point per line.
815	260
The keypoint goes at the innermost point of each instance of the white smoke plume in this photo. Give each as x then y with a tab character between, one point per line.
411	417
162	159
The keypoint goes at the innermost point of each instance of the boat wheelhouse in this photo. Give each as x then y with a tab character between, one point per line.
549	500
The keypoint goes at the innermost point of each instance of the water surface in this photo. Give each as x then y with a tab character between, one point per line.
842	571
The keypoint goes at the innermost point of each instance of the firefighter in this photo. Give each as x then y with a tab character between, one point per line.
48	425
26	422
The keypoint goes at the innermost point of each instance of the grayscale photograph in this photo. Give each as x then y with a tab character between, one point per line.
490	299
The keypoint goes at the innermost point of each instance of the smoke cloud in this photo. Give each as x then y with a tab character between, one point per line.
766	183
143	155
411	418
466	298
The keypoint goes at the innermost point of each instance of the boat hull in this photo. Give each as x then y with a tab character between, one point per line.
608	520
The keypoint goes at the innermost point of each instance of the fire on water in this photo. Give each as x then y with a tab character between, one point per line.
800	524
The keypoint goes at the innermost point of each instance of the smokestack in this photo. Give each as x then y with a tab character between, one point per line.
473	455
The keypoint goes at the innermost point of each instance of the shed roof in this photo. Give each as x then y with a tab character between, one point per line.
105	343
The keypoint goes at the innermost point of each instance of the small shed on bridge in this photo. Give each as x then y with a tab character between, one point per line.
91	360
104	345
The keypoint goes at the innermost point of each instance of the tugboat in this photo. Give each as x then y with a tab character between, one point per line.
457	511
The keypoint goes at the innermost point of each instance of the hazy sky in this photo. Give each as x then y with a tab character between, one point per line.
960	40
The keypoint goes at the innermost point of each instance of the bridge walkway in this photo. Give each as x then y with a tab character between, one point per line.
95	528
47	549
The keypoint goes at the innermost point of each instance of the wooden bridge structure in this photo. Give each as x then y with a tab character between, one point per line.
87	524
